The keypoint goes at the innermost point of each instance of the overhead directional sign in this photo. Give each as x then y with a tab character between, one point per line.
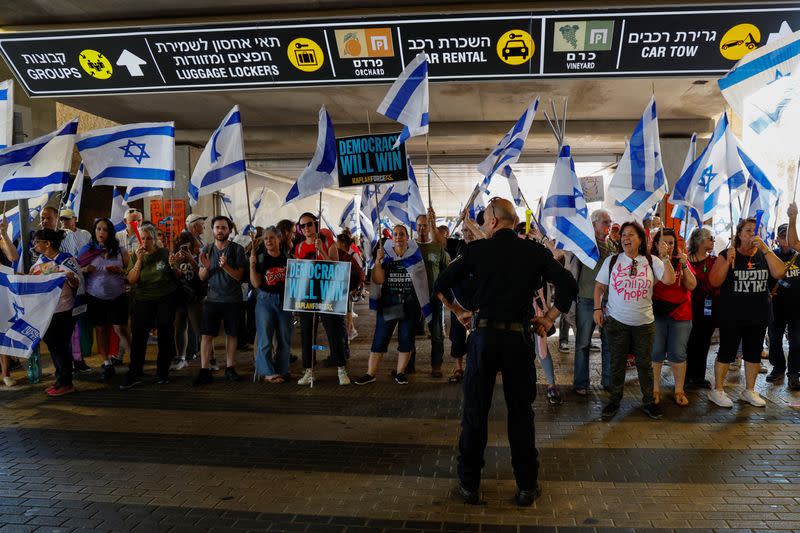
517	45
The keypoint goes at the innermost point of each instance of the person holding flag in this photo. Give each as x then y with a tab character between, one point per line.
785	295
742	274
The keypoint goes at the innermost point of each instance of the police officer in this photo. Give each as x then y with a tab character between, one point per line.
786	315
507	271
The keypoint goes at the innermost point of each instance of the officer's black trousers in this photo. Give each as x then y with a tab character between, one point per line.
491	351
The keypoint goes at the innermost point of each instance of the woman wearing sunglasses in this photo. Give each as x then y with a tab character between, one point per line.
316	246
672	306
629	278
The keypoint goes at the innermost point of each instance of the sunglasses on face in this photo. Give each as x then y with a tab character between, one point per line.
306	225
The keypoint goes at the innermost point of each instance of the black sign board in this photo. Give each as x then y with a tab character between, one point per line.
518	45
368	159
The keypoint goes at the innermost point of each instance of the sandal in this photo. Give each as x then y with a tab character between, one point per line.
681	399
656	397
456	376
276	379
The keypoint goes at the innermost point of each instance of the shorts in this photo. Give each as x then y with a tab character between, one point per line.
751	338
215	312
108	312
384	329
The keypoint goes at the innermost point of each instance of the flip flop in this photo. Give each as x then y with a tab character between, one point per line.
456	376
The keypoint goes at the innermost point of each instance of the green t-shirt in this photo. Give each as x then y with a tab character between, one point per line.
586	278
156	280
435	258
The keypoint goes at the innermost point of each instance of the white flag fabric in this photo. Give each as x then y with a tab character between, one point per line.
322	171
404	201
6	113
349	217
760	68
40	166
27	304
761	193
415	265
118	208
133	155
679	211
568	214
73	200
138	193
513	184
510	147
715	178
222	162
407	99
639	182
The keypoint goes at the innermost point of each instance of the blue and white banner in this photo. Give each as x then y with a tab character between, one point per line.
138	193
222	162
118	208
639	182
567	213
478	203
133	155
415	266
31	169
6	114
34	207
321	171
715	178
760	68
373	202
73	200
510	147
27	304
404	201
761	193
349	217
513	184
407	99
680	212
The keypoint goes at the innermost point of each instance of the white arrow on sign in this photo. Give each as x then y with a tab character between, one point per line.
132	62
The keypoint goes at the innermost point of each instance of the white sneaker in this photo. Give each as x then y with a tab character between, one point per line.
355	315
720	398
344	379
10	382
179	364
308	377
353	334
753	398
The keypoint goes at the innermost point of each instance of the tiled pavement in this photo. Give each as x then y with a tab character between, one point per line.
256	457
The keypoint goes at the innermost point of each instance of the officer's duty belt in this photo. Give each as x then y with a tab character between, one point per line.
501	325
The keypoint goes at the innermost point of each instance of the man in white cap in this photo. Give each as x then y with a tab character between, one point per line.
194	225
69	221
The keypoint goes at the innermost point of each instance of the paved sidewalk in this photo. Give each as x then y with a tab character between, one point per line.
239	457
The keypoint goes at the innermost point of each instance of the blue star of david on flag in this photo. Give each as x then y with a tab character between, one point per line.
18	310
707	177
131	153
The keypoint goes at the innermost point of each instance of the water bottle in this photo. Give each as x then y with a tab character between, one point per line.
34	367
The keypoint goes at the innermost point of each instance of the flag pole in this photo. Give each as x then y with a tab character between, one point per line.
247	197
428	157
553	128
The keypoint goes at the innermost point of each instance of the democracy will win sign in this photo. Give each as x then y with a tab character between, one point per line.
317	286
368	159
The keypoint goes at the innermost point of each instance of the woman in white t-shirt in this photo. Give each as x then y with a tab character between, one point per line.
628	279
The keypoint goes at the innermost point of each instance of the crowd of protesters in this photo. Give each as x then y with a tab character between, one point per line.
651	300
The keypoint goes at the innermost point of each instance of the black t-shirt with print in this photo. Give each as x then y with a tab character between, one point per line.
398	287
744	296
787	293
272	270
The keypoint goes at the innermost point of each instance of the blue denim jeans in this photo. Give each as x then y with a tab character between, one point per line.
584	327
672	336
272	320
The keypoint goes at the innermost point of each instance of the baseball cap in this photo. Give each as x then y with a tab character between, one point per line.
191	219
66	213
783	229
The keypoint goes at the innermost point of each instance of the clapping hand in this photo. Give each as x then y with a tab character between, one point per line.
223	260
204	261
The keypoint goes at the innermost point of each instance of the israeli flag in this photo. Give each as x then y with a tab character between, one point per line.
679	212
639	181
510	147
34	207
407	99
6	114
715	178
139	193
373	202
322	171
760	68
349	218
37	167
567	213
404	201
513	184
27	304
761	193
73	200
222	162
118	208
478	203
133	155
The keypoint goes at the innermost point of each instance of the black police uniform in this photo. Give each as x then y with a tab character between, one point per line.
507	271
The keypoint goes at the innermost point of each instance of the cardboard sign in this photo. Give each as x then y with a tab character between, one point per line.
368	159
592	188
317	286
